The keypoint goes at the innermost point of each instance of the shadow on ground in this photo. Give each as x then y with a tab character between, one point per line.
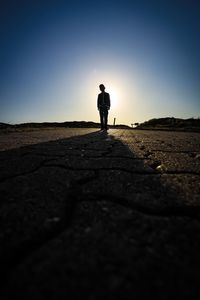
85	217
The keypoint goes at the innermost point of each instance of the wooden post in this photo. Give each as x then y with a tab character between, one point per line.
114	121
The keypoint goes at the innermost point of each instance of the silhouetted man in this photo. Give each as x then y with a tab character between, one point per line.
103	105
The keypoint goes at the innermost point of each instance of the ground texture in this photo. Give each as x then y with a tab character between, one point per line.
95	215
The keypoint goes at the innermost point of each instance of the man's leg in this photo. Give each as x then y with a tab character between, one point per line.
105	119
101	118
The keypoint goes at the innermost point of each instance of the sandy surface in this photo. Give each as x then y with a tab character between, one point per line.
23	137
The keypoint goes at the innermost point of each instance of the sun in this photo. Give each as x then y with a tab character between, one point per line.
114	96
114	85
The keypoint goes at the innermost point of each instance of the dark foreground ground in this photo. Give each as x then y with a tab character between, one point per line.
102	216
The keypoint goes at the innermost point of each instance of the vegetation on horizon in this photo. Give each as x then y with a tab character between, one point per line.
168	123
72	124
171	123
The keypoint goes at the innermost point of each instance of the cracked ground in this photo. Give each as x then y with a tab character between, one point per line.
95	215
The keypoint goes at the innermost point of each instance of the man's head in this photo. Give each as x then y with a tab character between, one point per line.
101	87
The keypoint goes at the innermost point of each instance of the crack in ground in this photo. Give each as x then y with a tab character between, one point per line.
175	151
142	172
13	257
150	172
42	164
177	172
77	196
154	211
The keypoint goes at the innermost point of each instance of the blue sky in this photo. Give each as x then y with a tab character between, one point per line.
54	54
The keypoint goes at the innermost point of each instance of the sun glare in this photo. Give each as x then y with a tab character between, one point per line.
116	86
114	96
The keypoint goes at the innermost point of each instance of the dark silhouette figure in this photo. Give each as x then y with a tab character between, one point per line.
103	105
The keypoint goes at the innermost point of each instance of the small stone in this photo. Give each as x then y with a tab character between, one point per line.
155	164
53	220
85	205
88	229
105	209
160	168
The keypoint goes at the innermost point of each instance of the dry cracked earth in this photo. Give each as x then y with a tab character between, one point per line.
101	216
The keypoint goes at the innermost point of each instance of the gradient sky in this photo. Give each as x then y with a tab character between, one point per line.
54	55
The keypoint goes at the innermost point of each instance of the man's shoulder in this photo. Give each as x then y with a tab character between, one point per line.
106	94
